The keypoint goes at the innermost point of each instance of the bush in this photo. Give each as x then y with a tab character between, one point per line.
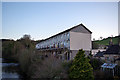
99	74
7	49
81	67
66	66
49	68
96	63
94	45
24	51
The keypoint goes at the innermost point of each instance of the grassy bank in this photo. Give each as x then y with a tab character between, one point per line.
105	41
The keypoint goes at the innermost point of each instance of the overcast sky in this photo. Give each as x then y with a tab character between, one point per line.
44	19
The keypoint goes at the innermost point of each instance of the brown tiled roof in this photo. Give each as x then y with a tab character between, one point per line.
68	31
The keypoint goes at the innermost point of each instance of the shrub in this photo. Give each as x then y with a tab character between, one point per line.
99	74
96	63
7	49
24	60
66	66
49	68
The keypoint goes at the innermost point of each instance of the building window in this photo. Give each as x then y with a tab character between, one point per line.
61	36
68	40
68	35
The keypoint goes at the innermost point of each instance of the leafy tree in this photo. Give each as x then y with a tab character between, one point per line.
7	49
81	67
26	41
94	45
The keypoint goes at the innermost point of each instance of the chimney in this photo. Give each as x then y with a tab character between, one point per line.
111	42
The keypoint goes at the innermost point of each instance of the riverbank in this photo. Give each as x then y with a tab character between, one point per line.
10	70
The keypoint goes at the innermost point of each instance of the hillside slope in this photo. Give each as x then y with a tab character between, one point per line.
106	41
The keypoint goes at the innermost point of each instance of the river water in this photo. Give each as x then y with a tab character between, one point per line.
10	70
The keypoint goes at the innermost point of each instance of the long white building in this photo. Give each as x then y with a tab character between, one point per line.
73	39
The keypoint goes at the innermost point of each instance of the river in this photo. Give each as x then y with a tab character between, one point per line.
10	70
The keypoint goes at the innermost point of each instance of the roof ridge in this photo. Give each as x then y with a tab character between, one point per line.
68	30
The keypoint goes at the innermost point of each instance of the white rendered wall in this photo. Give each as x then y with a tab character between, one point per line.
80	41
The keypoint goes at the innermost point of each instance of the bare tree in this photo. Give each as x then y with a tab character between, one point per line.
51	67
101	37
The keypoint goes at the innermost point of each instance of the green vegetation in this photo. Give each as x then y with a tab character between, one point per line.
34	65
96	63
95	45
31	63
106	41
7	49
21	51
50	67
81	68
